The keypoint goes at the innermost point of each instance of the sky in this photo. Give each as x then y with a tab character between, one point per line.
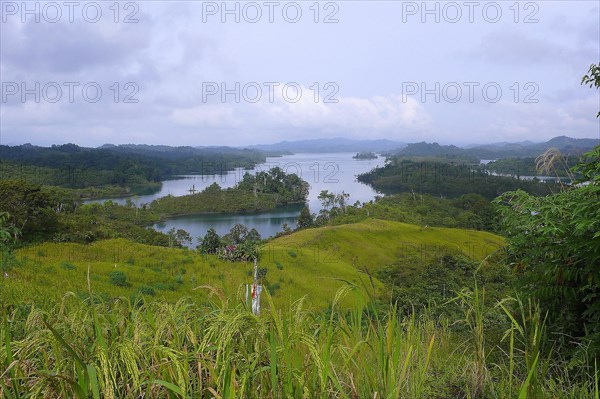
239	73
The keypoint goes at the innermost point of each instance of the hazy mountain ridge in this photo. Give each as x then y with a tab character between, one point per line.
330	145
424	149
566	145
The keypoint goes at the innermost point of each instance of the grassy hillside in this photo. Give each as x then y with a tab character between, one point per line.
313	262
179	343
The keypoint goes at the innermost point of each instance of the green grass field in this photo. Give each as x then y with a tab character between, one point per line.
312	263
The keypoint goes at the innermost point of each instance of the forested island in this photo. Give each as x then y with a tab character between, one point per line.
365	155
259	192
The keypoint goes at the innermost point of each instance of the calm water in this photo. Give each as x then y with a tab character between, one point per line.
335	172
266	223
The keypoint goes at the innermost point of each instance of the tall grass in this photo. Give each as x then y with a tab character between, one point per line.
122	349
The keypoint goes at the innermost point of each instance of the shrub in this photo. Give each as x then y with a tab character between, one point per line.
273	288
67	266
118	278
147	290
554	244
262	272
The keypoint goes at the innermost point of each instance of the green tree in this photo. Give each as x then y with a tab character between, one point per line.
8	233
30	208
305	219
178	237
481	213
236	234
253	236
327	199
592	78
240	234
554	244
8	238
210	243
333	205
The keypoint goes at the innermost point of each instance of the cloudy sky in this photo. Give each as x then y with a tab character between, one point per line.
237	73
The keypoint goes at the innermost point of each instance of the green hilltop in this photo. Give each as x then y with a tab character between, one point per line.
313	263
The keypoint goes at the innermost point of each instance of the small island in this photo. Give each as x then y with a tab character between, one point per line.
365	155
254	193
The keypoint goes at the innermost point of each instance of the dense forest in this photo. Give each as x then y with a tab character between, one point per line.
121	170
446	179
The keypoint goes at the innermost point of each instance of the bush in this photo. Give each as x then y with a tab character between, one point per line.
273	288
554	244
262	272
147	290
67	266
118	278
239	253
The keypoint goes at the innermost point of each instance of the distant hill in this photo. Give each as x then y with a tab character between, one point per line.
424	149
330	145
566	145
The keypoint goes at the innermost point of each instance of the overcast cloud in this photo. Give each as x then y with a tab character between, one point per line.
457	72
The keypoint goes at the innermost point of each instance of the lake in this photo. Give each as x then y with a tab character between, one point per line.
335	172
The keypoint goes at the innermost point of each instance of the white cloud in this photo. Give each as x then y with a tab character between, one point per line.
216	116
170	54
378	116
